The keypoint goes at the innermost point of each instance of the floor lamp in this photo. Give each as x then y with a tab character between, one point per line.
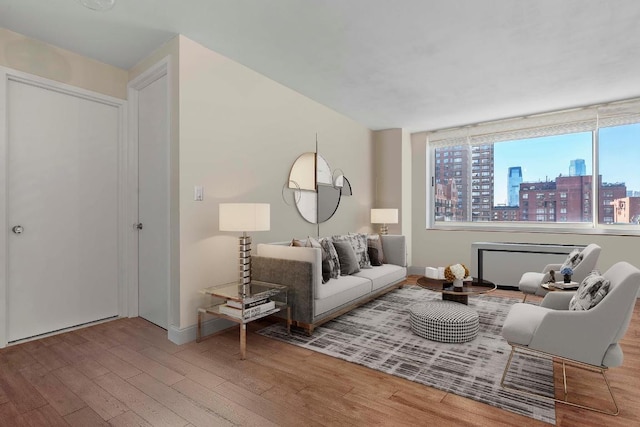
384	217
244	217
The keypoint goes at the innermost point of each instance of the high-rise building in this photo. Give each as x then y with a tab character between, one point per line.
513	184
452	166
577	167
482	161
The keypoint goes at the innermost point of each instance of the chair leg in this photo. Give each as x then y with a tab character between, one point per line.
525	297
580	365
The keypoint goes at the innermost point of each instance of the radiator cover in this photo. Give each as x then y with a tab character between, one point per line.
503	263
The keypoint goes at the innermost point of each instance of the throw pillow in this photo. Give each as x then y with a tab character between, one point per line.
298	243
313	243
573	259
359	244
590	292
331	262
326	265
376	255
348	260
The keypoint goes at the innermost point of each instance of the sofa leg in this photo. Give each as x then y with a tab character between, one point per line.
309	329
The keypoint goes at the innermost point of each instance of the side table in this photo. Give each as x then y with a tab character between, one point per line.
255	291
561	286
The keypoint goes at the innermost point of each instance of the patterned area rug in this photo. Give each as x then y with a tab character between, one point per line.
377	335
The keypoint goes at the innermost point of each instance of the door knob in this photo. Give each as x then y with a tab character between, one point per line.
18	229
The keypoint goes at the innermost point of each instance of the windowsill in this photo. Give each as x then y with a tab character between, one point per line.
574	228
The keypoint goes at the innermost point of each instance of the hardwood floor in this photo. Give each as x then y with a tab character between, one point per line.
126	373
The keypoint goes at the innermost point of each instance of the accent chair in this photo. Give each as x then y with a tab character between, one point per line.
584	335
530	283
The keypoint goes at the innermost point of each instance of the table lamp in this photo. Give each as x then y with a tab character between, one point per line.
244	217
384	217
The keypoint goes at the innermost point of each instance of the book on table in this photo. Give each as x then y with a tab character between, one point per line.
248	312
238	304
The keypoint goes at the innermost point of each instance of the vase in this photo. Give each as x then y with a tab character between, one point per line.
567	278
457	283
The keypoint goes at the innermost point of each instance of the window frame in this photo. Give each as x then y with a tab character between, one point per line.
630	115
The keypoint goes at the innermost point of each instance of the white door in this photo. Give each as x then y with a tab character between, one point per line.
153	202
63	194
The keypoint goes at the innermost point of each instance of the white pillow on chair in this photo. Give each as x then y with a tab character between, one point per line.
591	291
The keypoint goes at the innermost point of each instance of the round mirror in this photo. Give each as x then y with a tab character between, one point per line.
319	196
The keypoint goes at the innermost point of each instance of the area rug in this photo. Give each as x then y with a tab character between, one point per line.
377	335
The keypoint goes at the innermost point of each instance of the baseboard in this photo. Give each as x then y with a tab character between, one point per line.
188	334
415	271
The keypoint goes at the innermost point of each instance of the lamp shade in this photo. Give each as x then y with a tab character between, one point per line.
245	216
384	216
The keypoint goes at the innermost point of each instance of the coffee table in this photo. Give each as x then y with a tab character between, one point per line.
461	295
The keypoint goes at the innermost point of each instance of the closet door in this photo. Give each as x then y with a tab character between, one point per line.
153	203
62	210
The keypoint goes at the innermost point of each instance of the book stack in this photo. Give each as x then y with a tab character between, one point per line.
252	309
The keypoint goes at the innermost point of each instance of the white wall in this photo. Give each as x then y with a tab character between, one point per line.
441	247
240	133
233	131
392	178
35	57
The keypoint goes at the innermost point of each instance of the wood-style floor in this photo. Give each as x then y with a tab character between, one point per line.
126	373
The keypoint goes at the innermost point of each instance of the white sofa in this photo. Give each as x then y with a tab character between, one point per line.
314	302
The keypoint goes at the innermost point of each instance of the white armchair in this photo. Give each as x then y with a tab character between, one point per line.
530	283
587	339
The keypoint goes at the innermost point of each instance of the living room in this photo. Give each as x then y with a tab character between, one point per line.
236	133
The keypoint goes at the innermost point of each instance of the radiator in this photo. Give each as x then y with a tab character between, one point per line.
503	263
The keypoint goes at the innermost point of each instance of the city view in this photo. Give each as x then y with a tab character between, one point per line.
546	179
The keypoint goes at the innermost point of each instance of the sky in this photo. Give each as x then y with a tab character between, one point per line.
546	158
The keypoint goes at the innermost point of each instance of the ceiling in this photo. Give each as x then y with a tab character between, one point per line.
413	64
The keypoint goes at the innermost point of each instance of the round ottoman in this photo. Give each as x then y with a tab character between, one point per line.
444	321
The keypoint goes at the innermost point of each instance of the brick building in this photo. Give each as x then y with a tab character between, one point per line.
568	199
446	196
506	213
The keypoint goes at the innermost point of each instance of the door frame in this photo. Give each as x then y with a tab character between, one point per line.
7	75
158	70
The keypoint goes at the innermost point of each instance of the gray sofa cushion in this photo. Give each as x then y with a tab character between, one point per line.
339	292
383	275
376	255
330	258
359	244
348	261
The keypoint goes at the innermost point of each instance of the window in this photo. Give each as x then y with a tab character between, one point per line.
619	157
548	158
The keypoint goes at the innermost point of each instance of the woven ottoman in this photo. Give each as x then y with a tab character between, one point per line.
444	321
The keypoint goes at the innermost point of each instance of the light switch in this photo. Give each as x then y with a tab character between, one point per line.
198	193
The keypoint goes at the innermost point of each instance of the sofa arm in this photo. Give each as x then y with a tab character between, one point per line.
312	255
395	249
296	275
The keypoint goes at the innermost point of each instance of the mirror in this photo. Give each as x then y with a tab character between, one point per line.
318	193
